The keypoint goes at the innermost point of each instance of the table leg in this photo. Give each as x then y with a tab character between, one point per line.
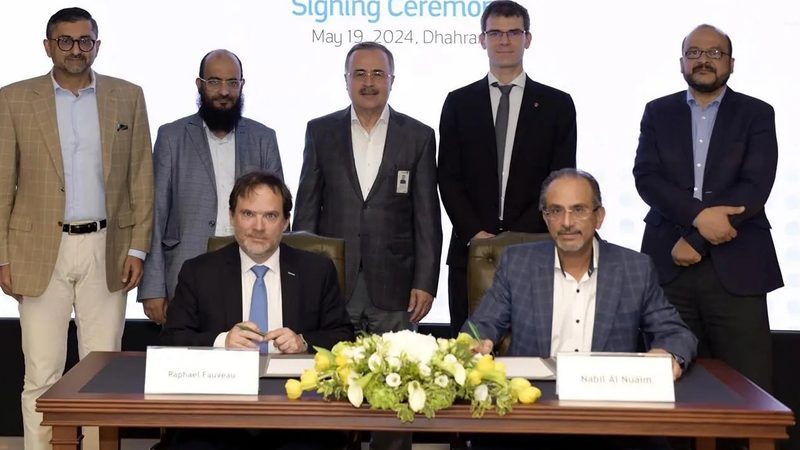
109	438
66	438
762	444
705	443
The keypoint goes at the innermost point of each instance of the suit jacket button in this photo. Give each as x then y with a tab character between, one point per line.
212	223
60	223
61	189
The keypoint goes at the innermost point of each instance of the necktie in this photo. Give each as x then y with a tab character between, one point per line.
258	303
501	129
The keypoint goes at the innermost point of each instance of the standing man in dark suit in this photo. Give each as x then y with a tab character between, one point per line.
196	161
500	137
705	165
76	201
369	177
257	292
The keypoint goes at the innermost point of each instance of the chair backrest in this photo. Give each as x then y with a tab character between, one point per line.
333	248
484	255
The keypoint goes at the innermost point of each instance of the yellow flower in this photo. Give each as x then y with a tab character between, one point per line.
293	389
308	379
322	361
474	377
344	374
529	395
518	384
464	338
341	360
485	364
500	367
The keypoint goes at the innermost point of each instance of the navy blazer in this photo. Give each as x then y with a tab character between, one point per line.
208	299
740	170
395	237
186	194
629	302
545	141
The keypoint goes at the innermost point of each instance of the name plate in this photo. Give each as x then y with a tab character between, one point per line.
637	377
201	370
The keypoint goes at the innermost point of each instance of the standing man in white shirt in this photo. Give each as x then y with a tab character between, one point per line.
76	201
197	159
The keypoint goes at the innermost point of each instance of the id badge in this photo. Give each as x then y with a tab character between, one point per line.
403	179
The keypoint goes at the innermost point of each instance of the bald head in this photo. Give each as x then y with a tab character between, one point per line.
220	54
705	28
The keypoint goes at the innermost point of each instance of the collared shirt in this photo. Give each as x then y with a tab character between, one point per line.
368	148
573	307
223	157
702	126
514	106
272	281
81	150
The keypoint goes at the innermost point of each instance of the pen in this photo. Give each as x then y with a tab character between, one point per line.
244	328
473	330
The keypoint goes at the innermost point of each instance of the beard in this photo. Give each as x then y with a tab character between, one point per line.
220	119
706	87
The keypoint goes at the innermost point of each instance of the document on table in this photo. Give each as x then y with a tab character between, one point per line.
284	366
531	368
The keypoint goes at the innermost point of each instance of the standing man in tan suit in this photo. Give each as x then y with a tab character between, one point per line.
76	199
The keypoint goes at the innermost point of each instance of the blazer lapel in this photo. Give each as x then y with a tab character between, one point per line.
107	111
485	119
197	136
230	287
44	110
684	144
290	289
240	145
542	295
529	108
343	141
716	148
395	142
609	291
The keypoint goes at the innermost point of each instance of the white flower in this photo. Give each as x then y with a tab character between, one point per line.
358	354
393	379
425	370
416	396
459	374
444	344
394	362
481	393
375	362
417	347
355	394
442	381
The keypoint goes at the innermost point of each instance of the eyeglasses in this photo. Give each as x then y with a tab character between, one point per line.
510	34
364	75
712	53
577	212
66	43
216	83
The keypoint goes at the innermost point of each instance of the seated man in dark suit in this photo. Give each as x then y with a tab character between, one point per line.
257	292
578	293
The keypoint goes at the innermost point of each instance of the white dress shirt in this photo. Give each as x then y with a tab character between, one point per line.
573	307
368	148
272	280
223	157
514	106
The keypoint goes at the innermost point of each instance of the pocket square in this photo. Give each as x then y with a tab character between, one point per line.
121	127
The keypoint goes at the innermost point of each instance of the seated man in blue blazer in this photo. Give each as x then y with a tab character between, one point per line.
577	293
594	296
255	293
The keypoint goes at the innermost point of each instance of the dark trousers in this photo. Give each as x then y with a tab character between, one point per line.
733	328
243	439
458	301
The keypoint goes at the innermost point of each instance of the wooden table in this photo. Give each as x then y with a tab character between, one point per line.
740	409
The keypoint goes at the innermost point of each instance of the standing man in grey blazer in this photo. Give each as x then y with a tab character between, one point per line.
369	177
196	161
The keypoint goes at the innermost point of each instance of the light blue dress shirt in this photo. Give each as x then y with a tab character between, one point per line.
702	126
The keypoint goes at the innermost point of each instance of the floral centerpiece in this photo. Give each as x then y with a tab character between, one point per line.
411	373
